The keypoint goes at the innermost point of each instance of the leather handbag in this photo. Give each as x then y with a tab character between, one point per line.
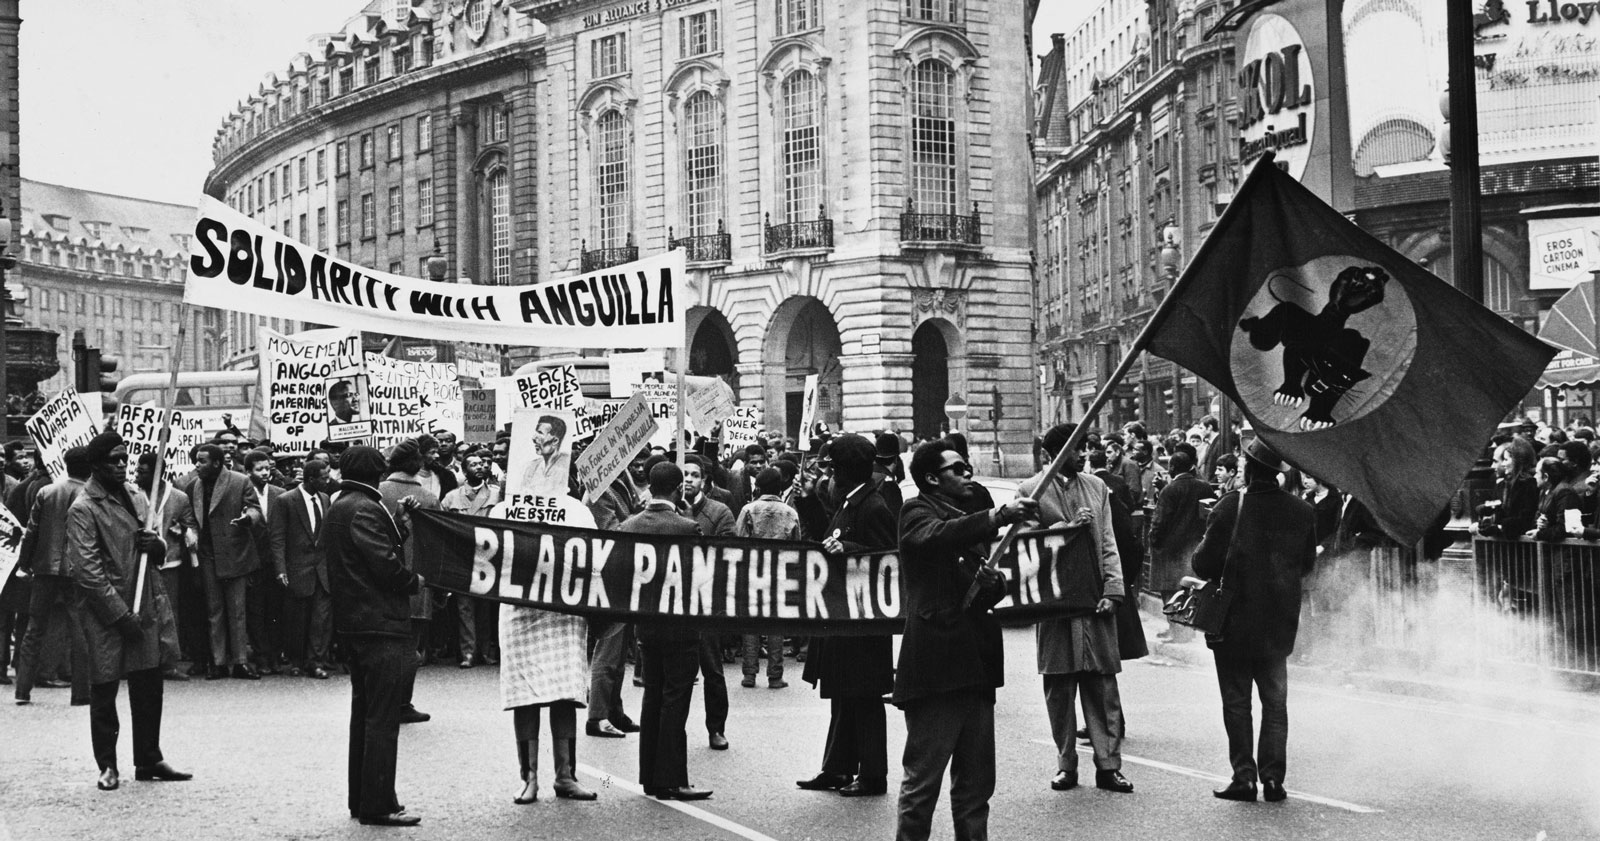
1203	605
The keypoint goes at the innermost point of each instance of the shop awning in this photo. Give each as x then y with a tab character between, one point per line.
1571	326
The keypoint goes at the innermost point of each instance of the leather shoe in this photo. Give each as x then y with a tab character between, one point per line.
1112	781
109	780
23	700
162	772
625	724
1272	791
216	673
865	788
317	673
396	819
412	715
196	670
748	683
246	671
604	730
719	741
825	782
1240	790
683	793
1064	780
464	664
1083	733
777	684
48	683
174	674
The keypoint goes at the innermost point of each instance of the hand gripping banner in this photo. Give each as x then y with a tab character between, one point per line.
717	584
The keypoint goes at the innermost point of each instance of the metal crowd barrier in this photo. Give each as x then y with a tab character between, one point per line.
1499	608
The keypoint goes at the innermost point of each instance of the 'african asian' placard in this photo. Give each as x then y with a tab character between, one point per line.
236	263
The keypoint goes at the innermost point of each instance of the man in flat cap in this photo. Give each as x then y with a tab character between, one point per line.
106	538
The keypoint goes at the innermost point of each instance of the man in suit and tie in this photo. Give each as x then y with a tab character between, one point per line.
742	482
263	604
671	659
229	512
294	522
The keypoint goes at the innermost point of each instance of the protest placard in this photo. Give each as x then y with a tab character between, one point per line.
140	428
628	370
741	429
477	415
349	407
10	542
62	423
237	263
663	400
709	404
439	384
615	446
294	379
540	460
556	387
394	399
808	411
559	510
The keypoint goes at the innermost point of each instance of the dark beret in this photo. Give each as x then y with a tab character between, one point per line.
102	445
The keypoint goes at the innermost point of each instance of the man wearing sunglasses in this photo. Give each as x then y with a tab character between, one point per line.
951	656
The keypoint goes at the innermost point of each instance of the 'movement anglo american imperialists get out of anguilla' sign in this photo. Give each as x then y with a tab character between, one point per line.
236	263
717	583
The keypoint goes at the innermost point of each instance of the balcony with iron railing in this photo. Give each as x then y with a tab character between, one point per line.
815	236
705	249
939	230
605	258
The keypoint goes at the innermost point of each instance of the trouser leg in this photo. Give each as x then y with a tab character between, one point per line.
840	753
716	686
1102	714
649	722
872	737
1272	682
172	636
467	626
320	626
104	727
296	618
1233	680
408	684
144	707
972	769
935	721
358	731
1060	691
749	655
386	665
41	604
605	671
235	591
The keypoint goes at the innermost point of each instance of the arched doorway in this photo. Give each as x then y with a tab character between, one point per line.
930	381
813	347
712	352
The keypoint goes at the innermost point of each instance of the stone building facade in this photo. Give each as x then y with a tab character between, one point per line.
851	183
112	266
1136	153
409	132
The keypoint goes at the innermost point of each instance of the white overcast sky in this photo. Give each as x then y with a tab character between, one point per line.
125	98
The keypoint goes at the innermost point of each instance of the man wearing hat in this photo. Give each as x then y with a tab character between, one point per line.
1078	651
106	537
1258	545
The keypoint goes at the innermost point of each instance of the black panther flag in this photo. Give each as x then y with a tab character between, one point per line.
1355	363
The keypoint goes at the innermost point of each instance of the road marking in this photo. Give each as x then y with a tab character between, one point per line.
715	820
1206	775
1449	708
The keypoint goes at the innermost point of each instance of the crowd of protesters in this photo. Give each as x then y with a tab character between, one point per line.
247	588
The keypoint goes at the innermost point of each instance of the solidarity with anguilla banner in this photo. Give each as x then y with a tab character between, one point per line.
715	583
236	263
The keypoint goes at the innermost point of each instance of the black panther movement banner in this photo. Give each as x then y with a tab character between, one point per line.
1353	362
717	584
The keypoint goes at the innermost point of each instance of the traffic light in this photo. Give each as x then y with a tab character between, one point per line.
92	371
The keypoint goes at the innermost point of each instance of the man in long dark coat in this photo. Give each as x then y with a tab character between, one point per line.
1175	530
1258	544
854	673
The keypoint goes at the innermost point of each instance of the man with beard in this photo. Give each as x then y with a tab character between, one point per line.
475	497
951	657
853	673
1079	650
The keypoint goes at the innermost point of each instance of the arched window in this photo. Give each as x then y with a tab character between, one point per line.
497	190
801	121
933	138
702	164
611	188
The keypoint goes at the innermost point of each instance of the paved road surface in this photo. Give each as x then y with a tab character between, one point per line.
269	760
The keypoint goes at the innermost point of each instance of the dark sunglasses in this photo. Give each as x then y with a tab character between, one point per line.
959	467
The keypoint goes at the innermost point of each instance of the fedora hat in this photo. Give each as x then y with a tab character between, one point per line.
1258	452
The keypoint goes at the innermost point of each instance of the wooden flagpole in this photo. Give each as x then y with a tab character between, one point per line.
1168	304
152	515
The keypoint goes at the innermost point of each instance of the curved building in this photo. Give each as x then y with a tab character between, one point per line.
851	181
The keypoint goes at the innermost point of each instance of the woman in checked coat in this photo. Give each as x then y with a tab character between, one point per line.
544	664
